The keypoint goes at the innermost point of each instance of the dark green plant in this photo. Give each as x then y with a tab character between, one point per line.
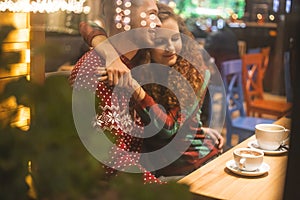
61	167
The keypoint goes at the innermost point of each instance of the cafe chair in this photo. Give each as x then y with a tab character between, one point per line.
237	122
252	79
266	55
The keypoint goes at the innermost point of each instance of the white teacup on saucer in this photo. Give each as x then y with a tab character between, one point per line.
271	136
248	159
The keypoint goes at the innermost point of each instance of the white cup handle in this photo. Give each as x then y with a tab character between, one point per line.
288	136
242	163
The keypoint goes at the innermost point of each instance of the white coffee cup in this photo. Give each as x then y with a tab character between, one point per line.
271	136
248	159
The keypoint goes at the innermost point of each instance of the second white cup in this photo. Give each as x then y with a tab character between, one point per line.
248	159
271	136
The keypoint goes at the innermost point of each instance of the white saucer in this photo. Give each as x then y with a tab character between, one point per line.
253	144
264	168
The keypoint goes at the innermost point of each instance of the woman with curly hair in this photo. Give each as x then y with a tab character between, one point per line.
173	49
180	115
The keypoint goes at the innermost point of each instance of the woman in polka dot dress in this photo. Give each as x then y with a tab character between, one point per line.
112	117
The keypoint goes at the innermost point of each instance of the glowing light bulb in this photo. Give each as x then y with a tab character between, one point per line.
44	6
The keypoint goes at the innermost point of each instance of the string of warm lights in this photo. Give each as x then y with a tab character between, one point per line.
44	6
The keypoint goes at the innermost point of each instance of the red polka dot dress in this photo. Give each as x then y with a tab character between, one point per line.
112	117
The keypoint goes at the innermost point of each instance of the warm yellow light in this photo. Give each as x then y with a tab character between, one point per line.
234	16
29	180
272	17
259	16
273	33
19	69
18	20
8	108
27	55
19	35
22	120
44	6
8	47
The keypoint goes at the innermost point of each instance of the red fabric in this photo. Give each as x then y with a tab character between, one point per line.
88	32
112	118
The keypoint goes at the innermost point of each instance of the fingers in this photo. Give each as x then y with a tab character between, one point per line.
219	139
110	78
221	142
117	72
101	74
215	136
103	78
120	80
101	71
115	77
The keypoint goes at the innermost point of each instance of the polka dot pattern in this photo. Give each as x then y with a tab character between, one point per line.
113	116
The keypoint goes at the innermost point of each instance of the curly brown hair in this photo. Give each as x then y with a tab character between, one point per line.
185	65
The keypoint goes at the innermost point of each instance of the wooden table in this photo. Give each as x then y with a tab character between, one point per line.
215	181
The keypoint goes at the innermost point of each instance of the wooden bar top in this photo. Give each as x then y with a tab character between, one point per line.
215	181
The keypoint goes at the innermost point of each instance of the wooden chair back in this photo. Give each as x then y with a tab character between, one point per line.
252	76
266	53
